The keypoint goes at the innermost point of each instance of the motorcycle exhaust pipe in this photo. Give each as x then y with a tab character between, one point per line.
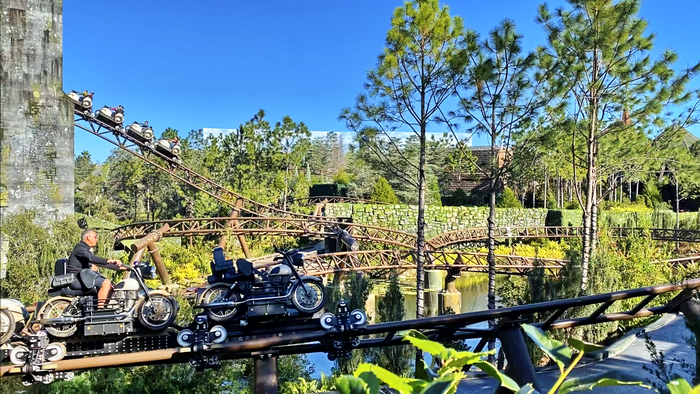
236	303
58	320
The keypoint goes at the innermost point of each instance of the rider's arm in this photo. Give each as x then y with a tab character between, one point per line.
85	254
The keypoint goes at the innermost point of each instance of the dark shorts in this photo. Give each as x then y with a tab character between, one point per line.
88	279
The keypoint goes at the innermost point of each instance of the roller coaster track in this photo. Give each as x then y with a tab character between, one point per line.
554	315
481	233
336	200
170	166
384	260
317	227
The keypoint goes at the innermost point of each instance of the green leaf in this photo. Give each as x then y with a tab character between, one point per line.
611	378
556	350
443	385
348	384
423	343
417	385
585	347
681	386
392	380
503	379
528	389
461	359
426	373
372	381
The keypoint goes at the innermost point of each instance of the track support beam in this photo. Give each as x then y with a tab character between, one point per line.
266	378
520	366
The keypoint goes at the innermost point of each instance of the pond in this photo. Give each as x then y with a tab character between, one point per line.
473	287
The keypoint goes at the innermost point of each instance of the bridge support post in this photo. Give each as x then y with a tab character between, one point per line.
234	222
160	265
691	310
265	374
433	286
520	366
450	297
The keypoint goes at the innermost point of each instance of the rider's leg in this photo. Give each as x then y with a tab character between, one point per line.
103	293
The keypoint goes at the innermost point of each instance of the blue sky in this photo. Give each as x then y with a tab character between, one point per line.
188	66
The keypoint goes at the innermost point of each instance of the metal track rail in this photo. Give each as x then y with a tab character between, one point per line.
560	314
172	167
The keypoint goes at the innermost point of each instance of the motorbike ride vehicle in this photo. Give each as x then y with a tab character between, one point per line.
82	102
249	294
170	148
141	132
112	116
13	317
74	304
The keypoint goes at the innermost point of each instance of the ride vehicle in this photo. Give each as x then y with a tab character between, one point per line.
131	306
170	148
13	318
247	294
141	132
112	116
82	102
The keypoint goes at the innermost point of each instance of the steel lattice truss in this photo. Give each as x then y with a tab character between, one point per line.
383	260
481	233
661	234
336	200
264	226
172	167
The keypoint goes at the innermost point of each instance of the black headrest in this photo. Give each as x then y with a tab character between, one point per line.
219	257
245	267
59	267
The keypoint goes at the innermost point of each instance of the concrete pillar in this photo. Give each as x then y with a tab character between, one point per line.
433	285
36	118
266	378
450	297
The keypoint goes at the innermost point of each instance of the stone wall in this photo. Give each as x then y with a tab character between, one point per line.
442	219
36	122
438	219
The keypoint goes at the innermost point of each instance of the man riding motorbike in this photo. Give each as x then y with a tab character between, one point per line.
85	265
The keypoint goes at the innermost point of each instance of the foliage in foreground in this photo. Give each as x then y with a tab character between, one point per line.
446	370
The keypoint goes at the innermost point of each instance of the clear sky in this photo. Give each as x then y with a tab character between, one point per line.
214	64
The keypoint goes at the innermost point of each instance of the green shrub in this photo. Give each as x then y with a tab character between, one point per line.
508	199
383	192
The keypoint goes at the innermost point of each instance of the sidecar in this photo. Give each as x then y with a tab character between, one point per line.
170	149
13	317
141	133
112	118
81	103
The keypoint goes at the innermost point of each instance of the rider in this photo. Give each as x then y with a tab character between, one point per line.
85	265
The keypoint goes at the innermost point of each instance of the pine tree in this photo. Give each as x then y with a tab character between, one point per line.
508	199
383	192
391	308
608	85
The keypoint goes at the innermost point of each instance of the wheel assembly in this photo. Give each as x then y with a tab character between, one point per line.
218	334
55	351
185	338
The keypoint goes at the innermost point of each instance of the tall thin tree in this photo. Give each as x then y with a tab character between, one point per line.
422	64
609	84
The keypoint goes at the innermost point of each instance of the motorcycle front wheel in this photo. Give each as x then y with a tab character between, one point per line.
309	298
220	293
158	312
57	309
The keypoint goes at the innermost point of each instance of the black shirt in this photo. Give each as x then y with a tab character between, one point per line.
81	257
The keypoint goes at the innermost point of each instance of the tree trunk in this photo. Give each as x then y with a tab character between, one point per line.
491	255
678	218
420	239
544	205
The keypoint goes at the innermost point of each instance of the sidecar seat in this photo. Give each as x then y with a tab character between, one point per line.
63	284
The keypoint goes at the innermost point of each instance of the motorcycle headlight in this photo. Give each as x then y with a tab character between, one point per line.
148	272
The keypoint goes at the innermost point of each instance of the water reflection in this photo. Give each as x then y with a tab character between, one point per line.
473	287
